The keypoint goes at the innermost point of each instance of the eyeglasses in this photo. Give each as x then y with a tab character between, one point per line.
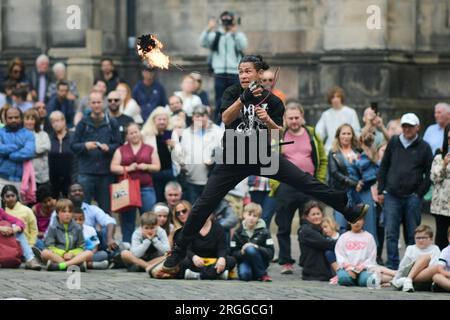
113	100
421	238
267	80
178	213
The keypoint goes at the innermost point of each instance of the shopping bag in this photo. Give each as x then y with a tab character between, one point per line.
125	195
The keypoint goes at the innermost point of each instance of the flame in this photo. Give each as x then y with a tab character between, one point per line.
149	49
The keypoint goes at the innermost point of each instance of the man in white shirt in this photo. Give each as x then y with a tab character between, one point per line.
434	134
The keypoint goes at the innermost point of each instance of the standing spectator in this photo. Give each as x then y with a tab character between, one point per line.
314	245
16	72
43	116
252	246
190	100
109	75
434	133
198	88
59	71
394	128
19	97
173	193
149	93
140	161
129	106
96	139
123	120
195	152
227	45
260	192
40	161
61	159
373	122
175	109
334	117
6	98
440	202
40	78
308	154
268	81
17	145
157	134
404	178
342	172
83	108
61	102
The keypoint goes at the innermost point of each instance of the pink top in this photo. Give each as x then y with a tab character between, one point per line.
42	220
356	249
12	220
299	153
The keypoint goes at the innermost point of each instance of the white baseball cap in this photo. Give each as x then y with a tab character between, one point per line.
410	118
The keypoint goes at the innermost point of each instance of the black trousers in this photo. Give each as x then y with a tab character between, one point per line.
288	201
209	272
225	177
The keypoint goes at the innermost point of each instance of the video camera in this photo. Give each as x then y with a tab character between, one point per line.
228	19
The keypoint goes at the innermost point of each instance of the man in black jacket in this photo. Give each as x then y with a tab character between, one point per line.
404	178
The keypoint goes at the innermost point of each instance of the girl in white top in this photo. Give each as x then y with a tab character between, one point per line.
129	106
190	100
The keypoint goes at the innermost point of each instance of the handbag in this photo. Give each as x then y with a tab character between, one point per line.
28	185
10	250
125	195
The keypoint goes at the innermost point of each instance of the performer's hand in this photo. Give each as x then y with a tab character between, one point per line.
262	115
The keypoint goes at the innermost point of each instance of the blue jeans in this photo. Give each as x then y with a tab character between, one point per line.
40	244
396	210
344	278
370	221
253	265
128	219
160	179
96	187
26	250
267	203
193	192
221	82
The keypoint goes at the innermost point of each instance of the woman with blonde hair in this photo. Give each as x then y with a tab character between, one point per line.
157	134
180	214
129	106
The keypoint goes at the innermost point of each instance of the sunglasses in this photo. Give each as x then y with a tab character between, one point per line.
178	213
113	100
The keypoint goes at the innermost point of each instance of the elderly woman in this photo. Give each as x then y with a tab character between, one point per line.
140	161
59	70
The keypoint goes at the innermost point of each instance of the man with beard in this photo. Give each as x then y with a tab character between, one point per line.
17	145
93	216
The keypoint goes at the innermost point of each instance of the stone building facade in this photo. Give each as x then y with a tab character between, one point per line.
404	64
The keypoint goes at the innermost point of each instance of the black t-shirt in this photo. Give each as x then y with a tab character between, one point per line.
248	124
123	122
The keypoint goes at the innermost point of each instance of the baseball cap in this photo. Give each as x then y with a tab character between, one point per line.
410	118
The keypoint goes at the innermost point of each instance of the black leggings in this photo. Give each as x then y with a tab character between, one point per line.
209	272
225	177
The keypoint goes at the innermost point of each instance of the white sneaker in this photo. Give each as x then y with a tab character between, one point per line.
224	275
191	275
398	282
408	285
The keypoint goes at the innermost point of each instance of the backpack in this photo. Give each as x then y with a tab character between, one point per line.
215	48
10	250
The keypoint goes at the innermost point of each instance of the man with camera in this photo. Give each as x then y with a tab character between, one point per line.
227	45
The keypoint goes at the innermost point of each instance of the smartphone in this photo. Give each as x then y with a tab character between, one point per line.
374	107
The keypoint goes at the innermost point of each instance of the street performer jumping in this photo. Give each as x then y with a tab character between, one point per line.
253	117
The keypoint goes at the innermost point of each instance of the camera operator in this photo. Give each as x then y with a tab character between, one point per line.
227	46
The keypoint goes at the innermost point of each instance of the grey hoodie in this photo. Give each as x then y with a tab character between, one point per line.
140	245
65	237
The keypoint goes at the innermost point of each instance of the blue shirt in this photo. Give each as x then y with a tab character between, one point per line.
148	98
434	135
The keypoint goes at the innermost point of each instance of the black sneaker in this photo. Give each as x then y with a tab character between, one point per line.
83	267
37	254
171	265
358	212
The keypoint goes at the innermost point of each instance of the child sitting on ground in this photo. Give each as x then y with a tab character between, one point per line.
330	229
65	241
99	260
162	213
252	246
441	280
43	212
419	262
148	242
356	252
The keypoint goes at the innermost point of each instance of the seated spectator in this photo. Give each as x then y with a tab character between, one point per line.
441	280
129	106
43	211
149	242
140	161
19	97
419	264
356	253
6	97
32	122
16	229
62	163
61	102
99	259
162	212
207	254
59	71
180	214
252	246
314	245
330	229
13	207
65	241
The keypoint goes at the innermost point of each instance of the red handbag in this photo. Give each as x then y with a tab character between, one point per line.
10	250
125	195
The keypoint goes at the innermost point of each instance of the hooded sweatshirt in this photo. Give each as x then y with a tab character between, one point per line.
140	245
65	238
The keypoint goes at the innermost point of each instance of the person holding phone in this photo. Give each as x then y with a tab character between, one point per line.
374	123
